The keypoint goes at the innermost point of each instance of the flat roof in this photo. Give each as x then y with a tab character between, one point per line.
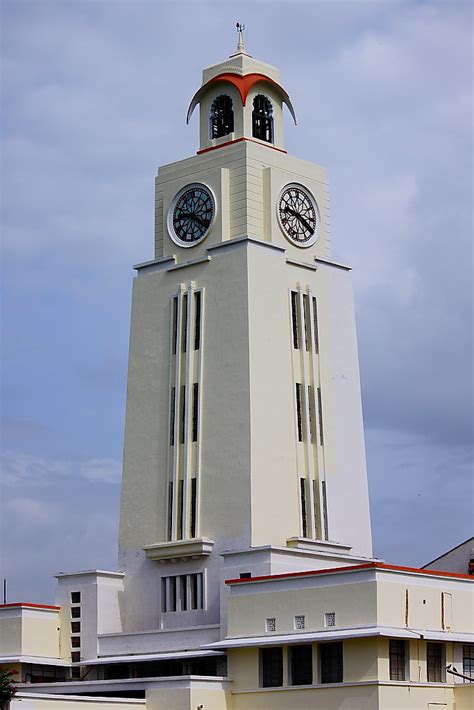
140	658
351	568
338	635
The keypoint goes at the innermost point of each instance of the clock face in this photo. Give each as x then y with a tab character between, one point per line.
191	214
298	215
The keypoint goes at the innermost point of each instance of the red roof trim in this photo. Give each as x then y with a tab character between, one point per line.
30	606
237	140
243	84
352	568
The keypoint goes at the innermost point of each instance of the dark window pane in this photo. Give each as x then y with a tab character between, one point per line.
197	320
330	656
299	420
294	319
193	507
397	659
195	410
434	659
75	641
75	627
185	322
303	507
468	660
175	323
271	667
76	612
75	597
301	665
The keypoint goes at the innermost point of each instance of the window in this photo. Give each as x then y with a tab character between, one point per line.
397	659
184	592
270	624
76	612
434	662
299	420
170	510
175	323
195	410
271	667
193	508
307	330
183	413
222	117
310	412
294	319
468	660
75	641
75	597
197	320
299	622
75	627
262	119
172	414
320	411
180	508
330	618
75	656
315	325
330	659
304	517
185	322
245	575
301	664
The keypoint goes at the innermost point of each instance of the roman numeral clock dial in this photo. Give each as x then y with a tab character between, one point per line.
191	215
298	215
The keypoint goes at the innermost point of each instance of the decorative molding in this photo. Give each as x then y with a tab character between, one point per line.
179	549
327	262
160	264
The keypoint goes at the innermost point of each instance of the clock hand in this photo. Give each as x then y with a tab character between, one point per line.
194	216
304	222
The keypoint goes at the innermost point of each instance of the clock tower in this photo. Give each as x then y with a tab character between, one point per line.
244	448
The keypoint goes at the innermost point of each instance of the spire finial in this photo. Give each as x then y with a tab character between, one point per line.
240	40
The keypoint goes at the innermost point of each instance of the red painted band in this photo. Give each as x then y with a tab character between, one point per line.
34	606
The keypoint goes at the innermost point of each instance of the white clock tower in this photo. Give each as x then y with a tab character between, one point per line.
244	447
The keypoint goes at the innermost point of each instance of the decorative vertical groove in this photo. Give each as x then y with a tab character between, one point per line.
304	329
185	401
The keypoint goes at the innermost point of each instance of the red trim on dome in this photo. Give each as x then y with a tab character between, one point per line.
243	84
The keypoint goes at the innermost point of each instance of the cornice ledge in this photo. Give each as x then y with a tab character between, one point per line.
178	549
303	543
336	265
159	264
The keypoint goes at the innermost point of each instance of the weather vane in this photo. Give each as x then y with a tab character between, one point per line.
240	42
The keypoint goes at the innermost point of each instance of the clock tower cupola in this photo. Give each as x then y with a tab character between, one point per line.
240	98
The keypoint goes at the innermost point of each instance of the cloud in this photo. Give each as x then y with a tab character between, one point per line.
22	469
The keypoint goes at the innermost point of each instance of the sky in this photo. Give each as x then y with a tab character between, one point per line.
95	94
